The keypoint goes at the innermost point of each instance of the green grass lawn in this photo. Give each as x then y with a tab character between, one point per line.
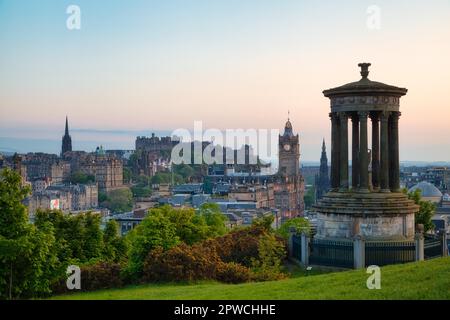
422	280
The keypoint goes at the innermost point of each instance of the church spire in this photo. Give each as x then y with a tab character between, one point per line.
66	140
324	148
67	127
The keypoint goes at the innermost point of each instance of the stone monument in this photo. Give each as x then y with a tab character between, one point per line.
376	209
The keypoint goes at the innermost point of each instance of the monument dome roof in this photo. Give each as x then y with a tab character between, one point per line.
365	86
427	189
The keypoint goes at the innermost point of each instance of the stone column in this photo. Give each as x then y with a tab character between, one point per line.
359	252
384	163
355	151
363	153
420	247
375	151
394	161
343	156
305	249
334	151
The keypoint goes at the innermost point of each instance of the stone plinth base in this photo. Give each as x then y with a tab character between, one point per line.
374	216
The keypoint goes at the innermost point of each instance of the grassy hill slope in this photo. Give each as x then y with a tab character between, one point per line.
422	280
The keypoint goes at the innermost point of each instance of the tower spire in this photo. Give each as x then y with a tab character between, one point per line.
67	126
66	140
324	148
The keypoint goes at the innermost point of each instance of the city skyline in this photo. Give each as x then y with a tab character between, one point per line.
162	69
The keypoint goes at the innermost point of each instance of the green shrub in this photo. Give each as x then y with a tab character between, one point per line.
98	276
232	272
271	253
181	263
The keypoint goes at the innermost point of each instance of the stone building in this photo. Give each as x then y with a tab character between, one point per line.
107	169
323	178
67	198
262	195
289	187
376	210
45	166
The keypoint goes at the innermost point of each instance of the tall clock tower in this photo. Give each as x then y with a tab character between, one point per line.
289	152
289	189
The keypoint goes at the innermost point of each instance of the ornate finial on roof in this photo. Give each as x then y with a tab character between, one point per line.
364	69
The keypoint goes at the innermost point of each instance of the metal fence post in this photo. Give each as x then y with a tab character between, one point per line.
359	252
305	248
420	247
443	234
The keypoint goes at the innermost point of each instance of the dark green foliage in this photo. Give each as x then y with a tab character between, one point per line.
214	219
154	231
119	200
127	175
141	191
115	247
185	171
310	197
166	177
27	254
81	178
93	236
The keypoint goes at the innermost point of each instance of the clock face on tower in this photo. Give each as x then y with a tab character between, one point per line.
287	147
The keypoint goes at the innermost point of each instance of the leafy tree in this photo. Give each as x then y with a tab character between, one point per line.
264	222
189	227
214	219
184	170
102	197
119	200
141	191
166	177
300	225
309	197
27	256
271	253
156	230
426	211
81	178
115	247
127	175
93	236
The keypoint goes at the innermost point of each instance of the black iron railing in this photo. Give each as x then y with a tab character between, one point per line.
331	253
382	253
432	247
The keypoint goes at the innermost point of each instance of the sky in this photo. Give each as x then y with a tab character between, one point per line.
143	66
